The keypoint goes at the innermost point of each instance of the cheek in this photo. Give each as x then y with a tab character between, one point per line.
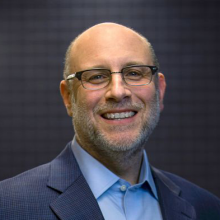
87	99
145	94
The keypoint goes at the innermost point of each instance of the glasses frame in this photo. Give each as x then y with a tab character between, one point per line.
78	75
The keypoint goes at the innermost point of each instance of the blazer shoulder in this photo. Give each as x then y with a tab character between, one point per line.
30	194
28	179
187	186
38	176
206	204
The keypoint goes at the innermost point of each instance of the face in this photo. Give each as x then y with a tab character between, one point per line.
118	117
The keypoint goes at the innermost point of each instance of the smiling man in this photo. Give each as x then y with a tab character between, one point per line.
114	93
114	104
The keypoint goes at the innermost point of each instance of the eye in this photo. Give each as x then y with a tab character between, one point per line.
133	74
95	76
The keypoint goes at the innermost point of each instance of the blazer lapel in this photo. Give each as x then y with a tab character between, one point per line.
173	207
76	201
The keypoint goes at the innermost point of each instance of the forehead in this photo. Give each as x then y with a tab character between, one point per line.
109	46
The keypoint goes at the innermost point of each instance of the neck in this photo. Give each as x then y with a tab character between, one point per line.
126	165
127	168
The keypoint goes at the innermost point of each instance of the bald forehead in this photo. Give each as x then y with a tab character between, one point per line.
107	28
104	37
107	31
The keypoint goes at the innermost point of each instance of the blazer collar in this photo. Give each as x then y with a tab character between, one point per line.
76	200
173	207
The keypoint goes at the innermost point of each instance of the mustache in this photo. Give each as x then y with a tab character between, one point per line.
111	104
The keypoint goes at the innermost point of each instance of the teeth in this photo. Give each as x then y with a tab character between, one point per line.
120	115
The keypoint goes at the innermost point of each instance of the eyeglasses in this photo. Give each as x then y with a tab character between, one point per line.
99	78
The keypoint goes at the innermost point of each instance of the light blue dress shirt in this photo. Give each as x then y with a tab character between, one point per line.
117	198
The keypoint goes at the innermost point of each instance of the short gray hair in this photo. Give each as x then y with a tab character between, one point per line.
66	71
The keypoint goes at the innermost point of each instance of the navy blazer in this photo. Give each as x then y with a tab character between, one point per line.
58	190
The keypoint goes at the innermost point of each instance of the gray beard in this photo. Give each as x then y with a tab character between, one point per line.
87	134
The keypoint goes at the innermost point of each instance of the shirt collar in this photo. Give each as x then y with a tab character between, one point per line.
100	178
146	175
97	175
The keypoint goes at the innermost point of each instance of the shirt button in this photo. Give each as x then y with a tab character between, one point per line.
123	188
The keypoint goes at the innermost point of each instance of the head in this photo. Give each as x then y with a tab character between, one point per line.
119	117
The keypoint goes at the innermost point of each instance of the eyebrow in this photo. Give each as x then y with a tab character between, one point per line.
125	65
134	63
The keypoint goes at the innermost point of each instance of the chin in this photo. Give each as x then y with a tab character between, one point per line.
119	143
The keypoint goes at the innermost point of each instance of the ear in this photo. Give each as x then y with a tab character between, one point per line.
161	88
65	93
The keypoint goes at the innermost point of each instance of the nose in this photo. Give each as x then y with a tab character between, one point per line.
117	89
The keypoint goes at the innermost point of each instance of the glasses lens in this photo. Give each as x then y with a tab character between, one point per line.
95	79
137	75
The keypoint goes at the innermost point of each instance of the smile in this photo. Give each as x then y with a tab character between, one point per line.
119	115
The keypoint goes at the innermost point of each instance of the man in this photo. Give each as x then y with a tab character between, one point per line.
114	94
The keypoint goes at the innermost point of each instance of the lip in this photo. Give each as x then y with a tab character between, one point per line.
123	121
118	111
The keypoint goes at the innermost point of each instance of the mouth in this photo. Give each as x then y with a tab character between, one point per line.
119	115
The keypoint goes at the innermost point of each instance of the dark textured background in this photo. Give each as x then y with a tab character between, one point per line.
34	36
